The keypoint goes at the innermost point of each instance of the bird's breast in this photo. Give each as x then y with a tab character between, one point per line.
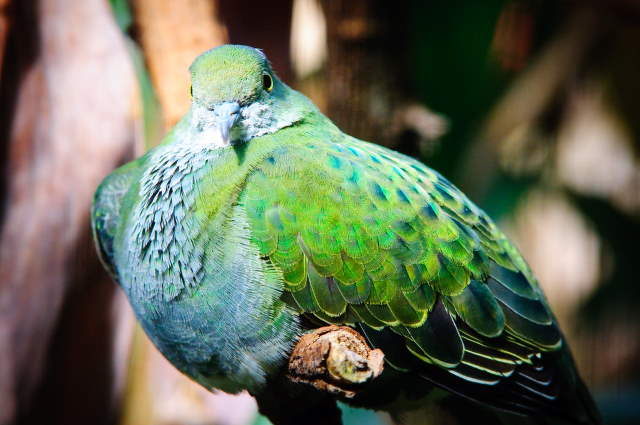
163	238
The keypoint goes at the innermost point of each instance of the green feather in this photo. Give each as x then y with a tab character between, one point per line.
383	313
305	300
438	339
421	299
533	310
326	293
479	309
404	311
358	292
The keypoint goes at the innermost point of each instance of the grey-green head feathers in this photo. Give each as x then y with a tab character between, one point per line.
230	74
237	96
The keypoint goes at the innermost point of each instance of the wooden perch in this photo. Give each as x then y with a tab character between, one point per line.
327	364
335	359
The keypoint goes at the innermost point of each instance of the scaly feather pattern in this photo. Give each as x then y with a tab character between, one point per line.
361	231
366	236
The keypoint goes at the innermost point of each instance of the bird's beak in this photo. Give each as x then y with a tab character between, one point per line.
226	115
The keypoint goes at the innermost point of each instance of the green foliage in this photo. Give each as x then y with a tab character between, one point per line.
618	290
151	111
453	70
122	14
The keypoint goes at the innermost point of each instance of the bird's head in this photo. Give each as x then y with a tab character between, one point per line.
236	96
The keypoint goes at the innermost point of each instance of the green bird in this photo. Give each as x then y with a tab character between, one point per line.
257	220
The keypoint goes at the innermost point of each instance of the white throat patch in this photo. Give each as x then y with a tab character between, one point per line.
257	119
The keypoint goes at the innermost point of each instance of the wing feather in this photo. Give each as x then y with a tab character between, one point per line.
368	237
106	211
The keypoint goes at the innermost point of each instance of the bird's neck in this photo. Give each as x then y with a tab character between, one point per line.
187	187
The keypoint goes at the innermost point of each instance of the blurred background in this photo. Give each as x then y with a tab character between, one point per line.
531	107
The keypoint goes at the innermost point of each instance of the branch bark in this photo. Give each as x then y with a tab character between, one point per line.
328	364
335	359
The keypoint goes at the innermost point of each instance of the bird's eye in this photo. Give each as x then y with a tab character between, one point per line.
267	82
191	90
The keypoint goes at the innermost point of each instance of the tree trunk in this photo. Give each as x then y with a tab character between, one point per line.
67	92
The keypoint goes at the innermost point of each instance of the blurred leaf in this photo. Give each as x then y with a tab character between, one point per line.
355	416
453	71
619	234
151	111
620	407
122	13
505	192
621	63
261	420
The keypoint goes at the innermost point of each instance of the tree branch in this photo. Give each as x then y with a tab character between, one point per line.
335	359
329	363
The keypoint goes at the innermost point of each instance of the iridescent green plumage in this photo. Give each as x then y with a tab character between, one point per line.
222	247
364	234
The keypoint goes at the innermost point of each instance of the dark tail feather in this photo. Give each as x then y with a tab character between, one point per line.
592	415
578	396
